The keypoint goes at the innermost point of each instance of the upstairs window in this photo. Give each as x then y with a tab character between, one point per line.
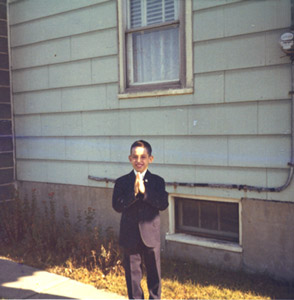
154	51
153	46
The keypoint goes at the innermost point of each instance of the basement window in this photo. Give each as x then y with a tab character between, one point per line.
211	219
211	222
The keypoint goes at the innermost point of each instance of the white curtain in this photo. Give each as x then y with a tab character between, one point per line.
156	56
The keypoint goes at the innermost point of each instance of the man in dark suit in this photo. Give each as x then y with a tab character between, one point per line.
139	196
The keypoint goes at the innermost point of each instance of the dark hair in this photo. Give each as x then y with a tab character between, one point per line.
143	144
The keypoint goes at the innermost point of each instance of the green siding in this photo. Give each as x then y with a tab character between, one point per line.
69	122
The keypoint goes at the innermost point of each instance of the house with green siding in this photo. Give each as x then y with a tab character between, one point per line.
204	81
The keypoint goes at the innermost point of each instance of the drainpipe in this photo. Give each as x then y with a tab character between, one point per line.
244	186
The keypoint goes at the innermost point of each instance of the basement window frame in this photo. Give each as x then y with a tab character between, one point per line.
180	236
185	85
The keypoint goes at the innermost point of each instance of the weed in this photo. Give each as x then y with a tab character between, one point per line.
31	234
50	241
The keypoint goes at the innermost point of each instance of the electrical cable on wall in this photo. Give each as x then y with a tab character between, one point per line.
241	186
287	45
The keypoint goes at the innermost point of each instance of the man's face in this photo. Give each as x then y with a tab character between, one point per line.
140	159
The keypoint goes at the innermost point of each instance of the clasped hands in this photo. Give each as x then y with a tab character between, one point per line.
139	185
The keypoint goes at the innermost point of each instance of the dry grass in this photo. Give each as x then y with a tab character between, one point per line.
86	254
180	280
188	280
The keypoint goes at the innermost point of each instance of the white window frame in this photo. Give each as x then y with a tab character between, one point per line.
184	238
124	91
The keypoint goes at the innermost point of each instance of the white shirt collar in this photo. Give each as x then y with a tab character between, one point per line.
140	174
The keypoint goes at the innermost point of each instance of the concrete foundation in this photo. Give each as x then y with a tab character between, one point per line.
221	258
268	237
267	229
77	199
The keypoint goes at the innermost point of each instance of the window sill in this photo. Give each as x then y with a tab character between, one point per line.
156	93
198	241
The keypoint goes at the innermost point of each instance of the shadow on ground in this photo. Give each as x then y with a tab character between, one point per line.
17	282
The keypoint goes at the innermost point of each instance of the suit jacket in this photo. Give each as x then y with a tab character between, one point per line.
140	214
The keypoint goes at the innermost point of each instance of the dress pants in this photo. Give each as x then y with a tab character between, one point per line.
133	259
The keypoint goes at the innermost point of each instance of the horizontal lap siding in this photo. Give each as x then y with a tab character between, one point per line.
69	23
25	11
85	72
69	123
239	152
103	43
235	119
66	171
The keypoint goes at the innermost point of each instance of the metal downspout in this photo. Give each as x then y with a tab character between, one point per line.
244	186
241	186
